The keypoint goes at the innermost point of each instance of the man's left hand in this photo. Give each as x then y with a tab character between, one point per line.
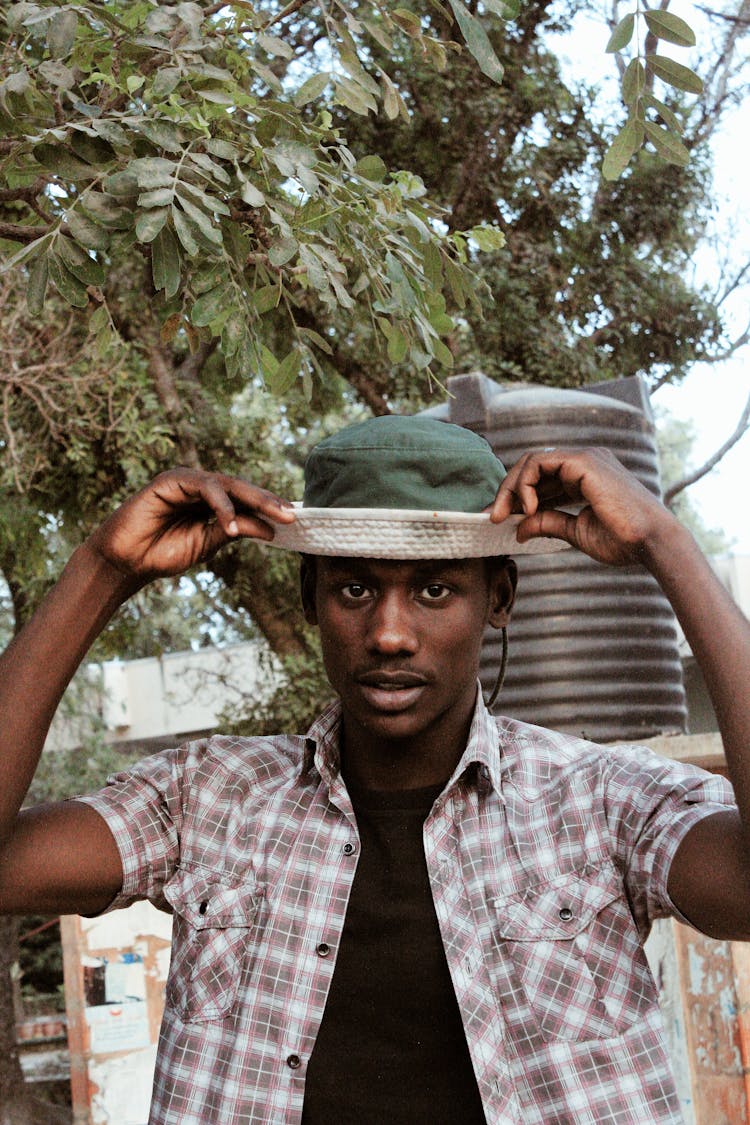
619	521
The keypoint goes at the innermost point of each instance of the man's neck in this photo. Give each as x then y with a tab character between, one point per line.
371	762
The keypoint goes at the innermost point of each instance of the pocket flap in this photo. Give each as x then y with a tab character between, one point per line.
559	909
205	902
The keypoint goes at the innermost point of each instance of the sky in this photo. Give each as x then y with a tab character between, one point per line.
711	397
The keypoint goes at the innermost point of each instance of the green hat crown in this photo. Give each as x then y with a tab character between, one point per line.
403	463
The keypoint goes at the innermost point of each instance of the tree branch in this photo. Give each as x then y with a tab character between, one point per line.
690	478
18	232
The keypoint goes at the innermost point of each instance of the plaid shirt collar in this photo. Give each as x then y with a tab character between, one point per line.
481	759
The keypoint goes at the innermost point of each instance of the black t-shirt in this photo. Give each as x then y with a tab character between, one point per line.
391	1046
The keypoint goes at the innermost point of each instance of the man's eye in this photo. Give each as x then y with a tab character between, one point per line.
435	592
354	591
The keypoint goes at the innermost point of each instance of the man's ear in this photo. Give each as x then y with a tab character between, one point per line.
307	580
503	580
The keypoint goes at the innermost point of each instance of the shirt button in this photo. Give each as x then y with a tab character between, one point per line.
203	907
323	949
348	848
294	1062
566	914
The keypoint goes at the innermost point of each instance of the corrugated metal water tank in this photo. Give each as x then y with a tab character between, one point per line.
593	649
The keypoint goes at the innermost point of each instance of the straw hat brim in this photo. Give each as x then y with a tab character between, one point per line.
386	533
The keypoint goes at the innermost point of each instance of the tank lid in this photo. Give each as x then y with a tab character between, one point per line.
475	400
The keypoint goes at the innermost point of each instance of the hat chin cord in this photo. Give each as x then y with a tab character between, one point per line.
501	671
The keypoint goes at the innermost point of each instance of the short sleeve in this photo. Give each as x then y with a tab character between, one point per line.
651	804
142	807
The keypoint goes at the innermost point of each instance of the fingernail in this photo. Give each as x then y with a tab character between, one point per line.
232	529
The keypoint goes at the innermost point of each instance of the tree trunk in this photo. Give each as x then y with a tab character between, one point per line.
15	1107
18	1104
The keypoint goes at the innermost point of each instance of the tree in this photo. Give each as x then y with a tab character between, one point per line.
356	288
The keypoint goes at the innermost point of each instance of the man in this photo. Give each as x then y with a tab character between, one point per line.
416	912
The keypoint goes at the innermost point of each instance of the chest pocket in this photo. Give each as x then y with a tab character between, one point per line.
577	956
211	945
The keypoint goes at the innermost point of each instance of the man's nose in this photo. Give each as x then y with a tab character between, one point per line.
391	626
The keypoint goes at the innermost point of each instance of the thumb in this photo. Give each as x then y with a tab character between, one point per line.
550	523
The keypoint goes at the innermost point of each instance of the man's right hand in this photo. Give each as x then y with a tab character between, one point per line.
182	518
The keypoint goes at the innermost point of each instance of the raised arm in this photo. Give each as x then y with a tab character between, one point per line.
62	857
623	523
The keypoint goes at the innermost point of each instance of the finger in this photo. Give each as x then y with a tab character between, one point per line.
549	523
251	499
519	492
252	527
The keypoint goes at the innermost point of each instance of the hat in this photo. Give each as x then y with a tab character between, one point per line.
403	487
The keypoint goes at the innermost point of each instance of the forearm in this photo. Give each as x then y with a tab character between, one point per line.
38	665
719	637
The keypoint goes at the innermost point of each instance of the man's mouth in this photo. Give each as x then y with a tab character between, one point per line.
391	691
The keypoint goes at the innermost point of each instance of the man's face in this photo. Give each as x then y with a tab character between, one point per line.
401	640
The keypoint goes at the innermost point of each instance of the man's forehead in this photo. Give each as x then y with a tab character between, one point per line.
334	564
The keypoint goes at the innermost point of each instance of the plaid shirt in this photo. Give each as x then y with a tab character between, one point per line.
548	859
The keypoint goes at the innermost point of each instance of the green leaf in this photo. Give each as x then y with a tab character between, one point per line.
622	34
36	288
211	204
153	172
316	339
391	98
159	197
371	168
122	185
477	41
312	88
106	210
68	286
407	21
57	74
223	149
165	80
671	120
456	282
665	25
61	161
206	164
348	93
94	150
78	262
487	238
134	82
86	232
26	253
203	221
233	333
282	251
162	134
379	34
149	223
61	34
165	262
674	74
285	375
279	48
208	307
266	298
398	345
506	9
98	320
251	195
626	143
442	353
433	265
669	146
633	81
